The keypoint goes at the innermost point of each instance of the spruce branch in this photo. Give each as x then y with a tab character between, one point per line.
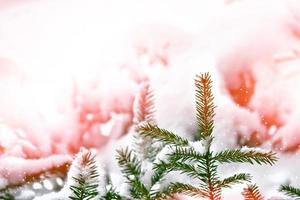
179	188
203	165
290	191
129	163
182	167
185	159
249	156
185	154
131	168
204	105
162	135
209	177
143	111
144	106
160	169
86	180
251	192
235	179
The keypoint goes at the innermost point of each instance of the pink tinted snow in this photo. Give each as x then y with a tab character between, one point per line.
15	170
259	63
46	111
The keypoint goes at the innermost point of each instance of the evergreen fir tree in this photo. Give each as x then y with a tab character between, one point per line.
143	110
87	180
187	160
86	177
290	191
251	192
144	151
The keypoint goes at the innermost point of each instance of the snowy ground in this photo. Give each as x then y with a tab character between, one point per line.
69	71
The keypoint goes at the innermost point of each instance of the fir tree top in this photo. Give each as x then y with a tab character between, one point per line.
85	173
201	165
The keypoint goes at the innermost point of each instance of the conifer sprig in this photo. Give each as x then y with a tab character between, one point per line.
235	179
181	188
131	168
201	165
143	111
182	167
251	192
246	156
144	106
182	154
160	169
162	135
209	177
86	180
204	105
290	191
129	162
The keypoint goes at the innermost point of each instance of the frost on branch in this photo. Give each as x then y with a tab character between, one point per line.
201	165
16	171
86	179
143	110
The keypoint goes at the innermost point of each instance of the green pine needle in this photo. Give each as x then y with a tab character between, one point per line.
182	167
179	188
183	154
162	135
290	191
235	179
129	162
248	156
252	193
209	177
160	169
